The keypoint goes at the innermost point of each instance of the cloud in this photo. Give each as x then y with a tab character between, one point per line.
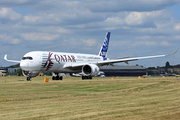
140	43
7	14
177	37
177	27
89	42
15	3
129	5
164	43
139	19
146	43
81	42
80	25
8	39
42	19
39	36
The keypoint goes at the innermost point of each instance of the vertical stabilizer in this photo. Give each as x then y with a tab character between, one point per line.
104	48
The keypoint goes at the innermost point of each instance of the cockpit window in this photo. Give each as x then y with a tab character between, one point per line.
27	58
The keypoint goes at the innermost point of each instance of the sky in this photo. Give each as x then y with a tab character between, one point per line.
138	28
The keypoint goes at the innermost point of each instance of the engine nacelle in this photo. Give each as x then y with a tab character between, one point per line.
30	73
90	70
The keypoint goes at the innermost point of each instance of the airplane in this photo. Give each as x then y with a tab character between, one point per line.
89	65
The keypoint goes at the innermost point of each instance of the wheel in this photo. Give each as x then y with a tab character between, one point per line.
87	77
61	78
28	78
57	77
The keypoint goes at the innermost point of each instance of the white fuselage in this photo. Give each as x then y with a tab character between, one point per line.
42	61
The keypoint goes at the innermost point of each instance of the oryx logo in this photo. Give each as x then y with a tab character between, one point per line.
49	62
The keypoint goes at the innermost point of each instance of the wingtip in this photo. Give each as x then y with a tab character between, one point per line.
173	53
5	57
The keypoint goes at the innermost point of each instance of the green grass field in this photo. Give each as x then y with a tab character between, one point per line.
100	98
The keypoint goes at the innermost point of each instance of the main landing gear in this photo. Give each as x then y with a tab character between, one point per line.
57	77
28	78
86	77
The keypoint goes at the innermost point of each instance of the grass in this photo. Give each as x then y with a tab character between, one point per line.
100	98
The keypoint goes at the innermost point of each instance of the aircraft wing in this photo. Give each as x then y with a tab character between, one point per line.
131	59
5	58
106	62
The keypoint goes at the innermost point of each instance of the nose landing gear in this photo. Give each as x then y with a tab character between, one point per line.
28	78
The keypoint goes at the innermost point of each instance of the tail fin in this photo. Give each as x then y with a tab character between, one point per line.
104	48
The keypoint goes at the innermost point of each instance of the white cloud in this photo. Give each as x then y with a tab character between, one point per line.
89	42
177	27
42	19
140	19
164	43
129	5
31	19
81	42
177	37
120	43
39	36
8	39
80	24
146	43
9	14
143	37
54	30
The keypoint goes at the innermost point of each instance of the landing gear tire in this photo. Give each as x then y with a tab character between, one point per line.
61	78
28	78
86	77
57	78
53	78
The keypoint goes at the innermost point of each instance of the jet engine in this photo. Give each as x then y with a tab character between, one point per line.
90	70
30	73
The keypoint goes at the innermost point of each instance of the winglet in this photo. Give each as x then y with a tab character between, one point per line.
173	53
5	58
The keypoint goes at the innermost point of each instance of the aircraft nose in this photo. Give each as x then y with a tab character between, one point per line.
24	65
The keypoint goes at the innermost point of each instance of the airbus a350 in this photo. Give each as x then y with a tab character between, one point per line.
88	65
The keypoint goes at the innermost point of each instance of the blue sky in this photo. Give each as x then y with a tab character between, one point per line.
138	28
176	9
23	11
